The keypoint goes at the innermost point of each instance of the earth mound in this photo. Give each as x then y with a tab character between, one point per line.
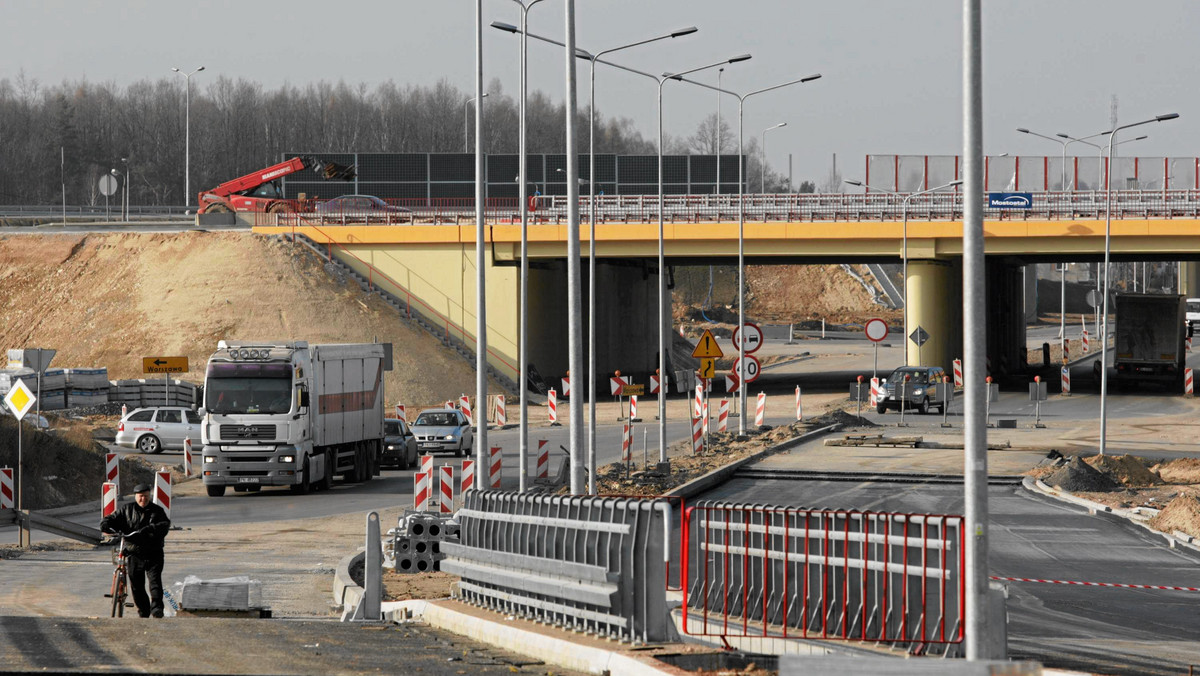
1180	471
1078	476
1181	514
1126	469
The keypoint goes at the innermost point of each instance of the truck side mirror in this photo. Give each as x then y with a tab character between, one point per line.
303	398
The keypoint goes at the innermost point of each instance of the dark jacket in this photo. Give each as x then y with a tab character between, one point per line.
132	517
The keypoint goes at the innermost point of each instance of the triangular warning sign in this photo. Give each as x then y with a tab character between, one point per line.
707	347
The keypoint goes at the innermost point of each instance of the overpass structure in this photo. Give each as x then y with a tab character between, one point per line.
426	256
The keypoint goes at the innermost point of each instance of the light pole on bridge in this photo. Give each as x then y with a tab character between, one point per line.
187	134
762	186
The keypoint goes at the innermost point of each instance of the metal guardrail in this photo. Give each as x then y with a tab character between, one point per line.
761	571
592	564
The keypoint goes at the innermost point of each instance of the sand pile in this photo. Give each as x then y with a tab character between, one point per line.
1181	514
1126	469
1181	471
1078	476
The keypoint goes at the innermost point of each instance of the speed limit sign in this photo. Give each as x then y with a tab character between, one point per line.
752	369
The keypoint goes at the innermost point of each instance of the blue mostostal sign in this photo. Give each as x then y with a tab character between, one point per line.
1010	200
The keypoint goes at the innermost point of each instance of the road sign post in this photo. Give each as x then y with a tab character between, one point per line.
19	401
920	337
876	330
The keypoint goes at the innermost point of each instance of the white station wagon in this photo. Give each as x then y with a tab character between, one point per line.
150	430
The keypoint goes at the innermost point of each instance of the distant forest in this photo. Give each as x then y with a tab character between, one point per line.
75	132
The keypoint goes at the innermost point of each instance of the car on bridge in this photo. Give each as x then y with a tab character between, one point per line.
919	393
443	429
361	209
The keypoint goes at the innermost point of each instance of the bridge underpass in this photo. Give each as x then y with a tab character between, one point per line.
432	267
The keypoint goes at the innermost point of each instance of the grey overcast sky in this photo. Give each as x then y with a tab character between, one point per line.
892	70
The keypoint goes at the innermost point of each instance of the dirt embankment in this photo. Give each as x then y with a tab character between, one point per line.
108	300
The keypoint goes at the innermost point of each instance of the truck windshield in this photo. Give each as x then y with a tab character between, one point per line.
248	388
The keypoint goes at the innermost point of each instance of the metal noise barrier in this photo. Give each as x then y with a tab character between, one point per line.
591	564
418	541
761	571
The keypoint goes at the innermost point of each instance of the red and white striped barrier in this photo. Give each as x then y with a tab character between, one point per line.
566	386
654	384
6	488
1066	349
187	456
495	468
401	414
698	402
626	445
1066	380
616	385
108	499
447	489
958	376
552	406
543	460
1085	341
464	404
704	415
723	416
876	392
732	383
697	437
681	333
1118	585
427	465
449	404
501	414
760	411
421	491
112	468
124	411
633	416
467	477
1187	382
799	407
162	490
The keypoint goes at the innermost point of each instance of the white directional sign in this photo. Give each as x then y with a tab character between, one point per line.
20	399
754	337
752	369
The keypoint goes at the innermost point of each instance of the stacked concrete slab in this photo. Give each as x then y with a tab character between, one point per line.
152	392
87	386
417	541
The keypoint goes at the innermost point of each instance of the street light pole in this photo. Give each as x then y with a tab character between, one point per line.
1107	240
187	135
720	71
466	122
762	185
125	198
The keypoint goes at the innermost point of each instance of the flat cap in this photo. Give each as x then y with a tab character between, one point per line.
141	488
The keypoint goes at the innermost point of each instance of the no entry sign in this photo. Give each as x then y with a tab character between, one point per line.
876	329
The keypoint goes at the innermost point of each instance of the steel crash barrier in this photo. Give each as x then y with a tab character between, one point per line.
761	571
592	564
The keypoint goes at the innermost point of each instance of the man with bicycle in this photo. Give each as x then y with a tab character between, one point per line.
145	525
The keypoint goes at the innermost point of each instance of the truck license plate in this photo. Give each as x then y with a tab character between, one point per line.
247	480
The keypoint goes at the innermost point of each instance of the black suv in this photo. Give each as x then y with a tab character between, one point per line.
921	393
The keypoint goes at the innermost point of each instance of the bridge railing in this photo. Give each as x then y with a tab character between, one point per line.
760	208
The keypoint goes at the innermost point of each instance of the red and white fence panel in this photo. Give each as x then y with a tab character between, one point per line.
108	499
723	416
421	482
760	411
552	406
162	490
7	496
447	489
467	476
112	468
754	571
543	460
958	377
495	468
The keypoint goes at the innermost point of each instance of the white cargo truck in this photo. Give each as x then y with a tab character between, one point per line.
292	414
1149	339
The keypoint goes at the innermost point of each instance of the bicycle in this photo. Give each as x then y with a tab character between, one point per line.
119	590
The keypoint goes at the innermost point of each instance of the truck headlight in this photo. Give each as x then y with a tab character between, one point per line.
210	458
287	458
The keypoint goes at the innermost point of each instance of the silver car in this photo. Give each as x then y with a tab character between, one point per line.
150	430
443	429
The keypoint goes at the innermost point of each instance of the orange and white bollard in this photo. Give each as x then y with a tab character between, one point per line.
162	490
112	468
6	488
108	499
543	460
552	407
723	416
468	476
421	491
187	456
447	489
799	407
760	412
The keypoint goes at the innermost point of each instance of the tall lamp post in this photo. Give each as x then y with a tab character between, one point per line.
762	186
466	122
187	134
720	72
1062	186
125	201
1107	241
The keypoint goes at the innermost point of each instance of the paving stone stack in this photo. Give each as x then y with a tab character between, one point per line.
87	386
54	389
9	377
153	392
416	545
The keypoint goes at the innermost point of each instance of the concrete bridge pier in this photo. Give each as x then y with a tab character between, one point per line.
1189	278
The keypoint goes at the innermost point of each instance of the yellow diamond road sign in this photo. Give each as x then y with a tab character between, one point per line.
20	399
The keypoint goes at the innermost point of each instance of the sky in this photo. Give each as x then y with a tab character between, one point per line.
891	71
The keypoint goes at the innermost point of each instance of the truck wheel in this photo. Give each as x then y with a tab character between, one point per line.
304	486
327	477
215	491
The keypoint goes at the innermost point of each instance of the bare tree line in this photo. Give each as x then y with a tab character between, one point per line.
73	133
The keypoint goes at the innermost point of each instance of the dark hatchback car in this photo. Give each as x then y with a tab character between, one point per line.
399	445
